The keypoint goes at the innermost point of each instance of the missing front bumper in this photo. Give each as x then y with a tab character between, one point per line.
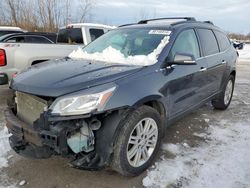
25	140
43	141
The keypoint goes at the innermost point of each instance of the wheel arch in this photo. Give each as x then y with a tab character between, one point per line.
233	72
155	102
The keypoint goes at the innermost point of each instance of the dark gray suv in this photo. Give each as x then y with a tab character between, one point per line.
109	103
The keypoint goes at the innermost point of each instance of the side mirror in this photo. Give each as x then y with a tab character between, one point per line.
183	59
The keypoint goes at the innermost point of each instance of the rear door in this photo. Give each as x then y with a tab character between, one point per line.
211	54
225	50
187	85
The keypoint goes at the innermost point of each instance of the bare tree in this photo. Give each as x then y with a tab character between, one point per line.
85	9
2	13
14	8
67	15
43	15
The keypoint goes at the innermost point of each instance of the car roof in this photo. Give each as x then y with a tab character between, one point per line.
4	37
26	34
170	25
9	28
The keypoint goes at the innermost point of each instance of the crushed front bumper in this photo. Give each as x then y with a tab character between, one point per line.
25	140
46	138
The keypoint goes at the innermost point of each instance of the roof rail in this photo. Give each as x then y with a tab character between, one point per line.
170	18
208	22
127	24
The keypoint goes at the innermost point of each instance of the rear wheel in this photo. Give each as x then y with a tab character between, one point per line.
224	99
138	142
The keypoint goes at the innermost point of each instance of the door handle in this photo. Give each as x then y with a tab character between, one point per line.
223	62
203	69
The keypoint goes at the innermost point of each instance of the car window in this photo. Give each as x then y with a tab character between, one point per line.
70	36
130	42
208	42
95	33
36	39
223	40
187	43
19	39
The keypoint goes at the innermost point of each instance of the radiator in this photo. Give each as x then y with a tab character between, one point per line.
29	107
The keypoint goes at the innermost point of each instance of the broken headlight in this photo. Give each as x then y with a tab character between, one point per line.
81	103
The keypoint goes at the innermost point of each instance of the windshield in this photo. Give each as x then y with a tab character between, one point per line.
127	46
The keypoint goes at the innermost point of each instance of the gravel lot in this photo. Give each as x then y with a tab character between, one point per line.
55	172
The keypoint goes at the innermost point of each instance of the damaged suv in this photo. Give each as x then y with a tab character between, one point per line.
109	103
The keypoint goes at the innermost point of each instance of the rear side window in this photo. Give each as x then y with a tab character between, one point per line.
35	39
208	42
186	42
70	36
19	39
95	33
223	40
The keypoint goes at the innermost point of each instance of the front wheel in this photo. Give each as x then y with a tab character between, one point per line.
138	142
224	99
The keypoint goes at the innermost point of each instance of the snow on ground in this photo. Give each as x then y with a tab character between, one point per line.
245	53
4	147
111	55
221	162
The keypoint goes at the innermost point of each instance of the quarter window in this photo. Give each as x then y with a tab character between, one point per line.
208	42
16	39
223	41
35	39
187	43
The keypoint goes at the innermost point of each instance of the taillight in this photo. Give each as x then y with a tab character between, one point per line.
2	58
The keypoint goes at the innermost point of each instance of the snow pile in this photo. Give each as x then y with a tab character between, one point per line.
4	147
245	53
222	162
111	55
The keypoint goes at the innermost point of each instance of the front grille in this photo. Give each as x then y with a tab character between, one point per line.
29	107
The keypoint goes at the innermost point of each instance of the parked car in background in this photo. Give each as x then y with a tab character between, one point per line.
7	30
16	55
109	104
50	36
81	33
238	45
27	38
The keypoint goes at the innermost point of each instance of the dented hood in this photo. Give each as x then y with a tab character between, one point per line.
60	77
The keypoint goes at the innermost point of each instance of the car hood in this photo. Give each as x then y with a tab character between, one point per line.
60	77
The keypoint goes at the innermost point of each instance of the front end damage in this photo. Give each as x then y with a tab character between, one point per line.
86	140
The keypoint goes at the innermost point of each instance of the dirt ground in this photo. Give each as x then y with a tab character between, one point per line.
56	172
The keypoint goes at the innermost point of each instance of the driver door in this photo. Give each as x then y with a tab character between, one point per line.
186	83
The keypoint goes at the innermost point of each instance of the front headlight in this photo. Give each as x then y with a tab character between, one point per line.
78	104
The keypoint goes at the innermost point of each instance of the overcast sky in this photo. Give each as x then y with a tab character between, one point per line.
231	15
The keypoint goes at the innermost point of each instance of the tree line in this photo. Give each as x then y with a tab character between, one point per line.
44	15
238	36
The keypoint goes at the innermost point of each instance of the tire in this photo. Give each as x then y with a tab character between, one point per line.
123	161
225	97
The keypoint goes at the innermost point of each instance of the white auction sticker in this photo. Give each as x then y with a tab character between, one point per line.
159	32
